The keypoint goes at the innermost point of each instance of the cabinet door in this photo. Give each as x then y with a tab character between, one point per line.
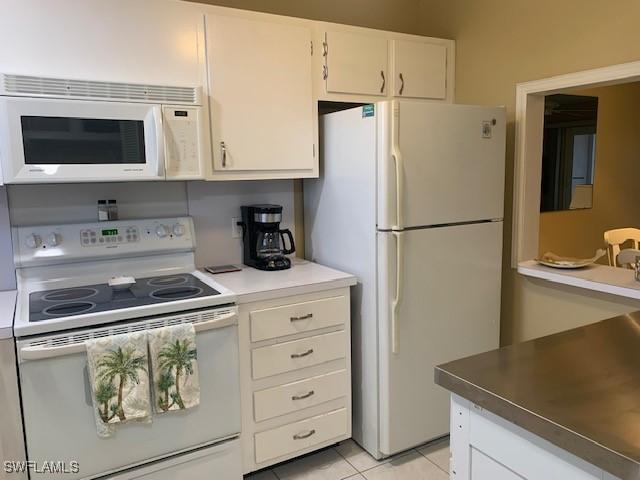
260	94
420	70
356	63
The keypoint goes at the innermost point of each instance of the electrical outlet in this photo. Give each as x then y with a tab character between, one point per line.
236	230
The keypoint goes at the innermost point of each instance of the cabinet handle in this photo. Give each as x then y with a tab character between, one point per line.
223	150
302	317
302	397
401	84
325	49
384	81
304	354
325	73
302	436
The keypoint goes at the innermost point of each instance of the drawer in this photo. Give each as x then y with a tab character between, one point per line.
298	317
300	435
294	396
306	352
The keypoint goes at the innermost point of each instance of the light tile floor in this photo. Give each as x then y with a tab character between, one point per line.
348	461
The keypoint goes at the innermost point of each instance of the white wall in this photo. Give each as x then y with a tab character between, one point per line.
213	204
70	203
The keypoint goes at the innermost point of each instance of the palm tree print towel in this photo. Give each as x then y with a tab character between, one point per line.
175	367
118	370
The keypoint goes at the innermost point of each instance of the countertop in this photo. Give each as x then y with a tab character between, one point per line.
578	389
601	278
7	308
251	285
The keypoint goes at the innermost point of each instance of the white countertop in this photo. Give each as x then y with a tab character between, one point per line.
601	278
251	285
7	308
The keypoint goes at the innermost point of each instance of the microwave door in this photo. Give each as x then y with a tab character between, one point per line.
49	140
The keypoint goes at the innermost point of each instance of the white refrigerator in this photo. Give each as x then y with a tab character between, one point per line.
410	199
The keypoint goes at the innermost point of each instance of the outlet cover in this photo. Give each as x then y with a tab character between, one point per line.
236	230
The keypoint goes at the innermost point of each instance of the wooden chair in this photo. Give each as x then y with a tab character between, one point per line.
614	238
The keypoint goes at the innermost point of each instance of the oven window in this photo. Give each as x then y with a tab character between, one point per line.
82	141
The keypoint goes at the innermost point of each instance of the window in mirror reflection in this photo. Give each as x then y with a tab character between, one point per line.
568	152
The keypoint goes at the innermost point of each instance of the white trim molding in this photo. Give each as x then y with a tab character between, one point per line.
528	141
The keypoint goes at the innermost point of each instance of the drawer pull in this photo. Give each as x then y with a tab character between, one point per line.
302	436
302	317
304	354
302	397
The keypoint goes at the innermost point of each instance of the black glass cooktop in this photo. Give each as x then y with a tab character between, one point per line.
67	302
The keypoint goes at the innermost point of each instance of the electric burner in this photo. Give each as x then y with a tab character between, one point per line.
69	302
168	281
69	294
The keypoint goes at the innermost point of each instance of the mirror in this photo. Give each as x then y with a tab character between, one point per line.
568	152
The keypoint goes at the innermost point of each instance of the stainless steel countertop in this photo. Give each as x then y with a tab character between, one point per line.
579	390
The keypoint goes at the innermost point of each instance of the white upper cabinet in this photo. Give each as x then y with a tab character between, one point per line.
142	41
263	114
420	69
355	63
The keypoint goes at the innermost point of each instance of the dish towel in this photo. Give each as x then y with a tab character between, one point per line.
118	369
174	365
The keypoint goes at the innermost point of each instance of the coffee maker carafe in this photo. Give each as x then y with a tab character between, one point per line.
264	241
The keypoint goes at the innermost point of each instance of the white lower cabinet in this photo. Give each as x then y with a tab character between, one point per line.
296	379
294	396
11	436
299	435
485	446
297	354
483	466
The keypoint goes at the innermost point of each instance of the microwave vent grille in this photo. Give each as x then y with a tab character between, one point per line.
109	91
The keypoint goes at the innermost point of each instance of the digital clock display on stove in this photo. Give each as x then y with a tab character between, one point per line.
110	232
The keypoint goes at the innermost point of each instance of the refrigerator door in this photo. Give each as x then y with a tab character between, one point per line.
444	164
448	308
340	232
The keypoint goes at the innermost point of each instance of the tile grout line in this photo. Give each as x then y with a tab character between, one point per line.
347	460
387	460
441	469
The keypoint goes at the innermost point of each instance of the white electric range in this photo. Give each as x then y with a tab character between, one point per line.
83	281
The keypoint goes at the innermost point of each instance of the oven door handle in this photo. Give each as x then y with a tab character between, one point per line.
39	352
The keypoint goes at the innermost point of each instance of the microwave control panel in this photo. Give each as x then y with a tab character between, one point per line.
182	141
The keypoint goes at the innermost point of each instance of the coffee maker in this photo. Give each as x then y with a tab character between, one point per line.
264	241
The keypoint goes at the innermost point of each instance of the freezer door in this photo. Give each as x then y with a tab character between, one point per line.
443	164
449	308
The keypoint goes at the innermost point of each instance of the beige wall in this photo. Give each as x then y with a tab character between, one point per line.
616	193
396	15
500	43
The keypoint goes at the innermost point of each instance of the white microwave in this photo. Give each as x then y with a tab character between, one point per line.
60	130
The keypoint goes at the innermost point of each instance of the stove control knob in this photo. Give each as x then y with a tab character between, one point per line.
53	240
162	231
178	229
33	241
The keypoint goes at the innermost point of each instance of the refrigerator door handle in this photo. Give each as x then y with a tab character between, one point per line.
397	160
396	154
399	236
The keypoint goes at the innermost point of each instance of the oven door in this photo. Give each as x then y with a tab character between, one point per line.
58	414
49	140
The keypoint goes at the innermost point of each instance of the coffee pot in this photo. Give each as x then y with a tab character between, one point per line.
264	241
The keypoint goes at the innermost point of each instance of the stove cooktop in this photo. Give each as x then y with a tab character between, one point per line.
69	302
